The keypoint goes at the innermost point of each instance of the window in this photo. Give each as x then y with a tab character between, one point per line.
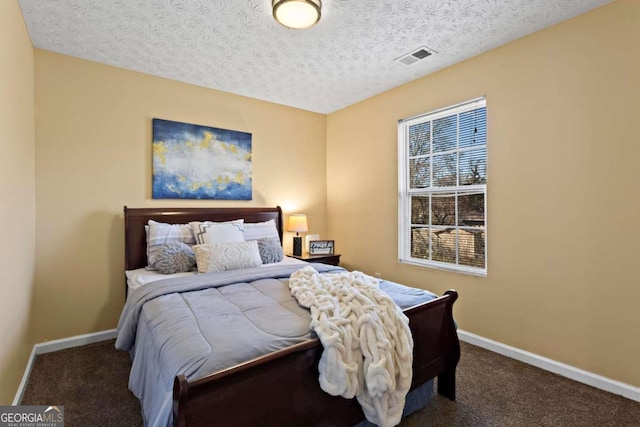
442	164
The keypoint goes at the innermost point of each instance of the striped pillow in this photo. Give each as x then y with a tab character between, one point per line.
259	230
160	233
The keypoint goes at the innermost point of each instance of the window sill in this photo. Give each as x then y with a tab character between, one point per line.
470	271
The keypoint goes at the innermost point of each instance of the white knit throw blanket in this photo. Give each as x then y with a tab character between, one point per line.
368	348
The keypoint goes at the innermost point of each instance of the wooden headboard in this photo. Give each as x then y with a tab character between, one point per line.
135	242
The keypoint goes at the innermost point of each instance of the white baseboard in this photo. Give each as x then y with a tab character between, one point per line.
55	345
550	365
77	341
541	362
25	377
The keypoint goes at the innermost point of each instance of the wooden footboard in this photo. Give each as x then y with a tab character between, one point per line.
282	388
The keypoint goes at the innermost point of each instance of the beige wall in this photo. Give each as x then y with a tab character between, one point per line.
562	158
93	140
17	197
563	205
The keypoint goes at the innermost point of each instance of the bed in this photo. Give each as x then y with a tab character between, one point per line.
281	387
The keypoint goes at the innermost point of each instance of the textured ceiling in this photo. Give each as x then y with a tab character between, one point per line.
236	46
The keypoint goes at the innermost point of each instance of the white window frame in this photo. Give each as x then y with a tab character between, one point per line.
405	192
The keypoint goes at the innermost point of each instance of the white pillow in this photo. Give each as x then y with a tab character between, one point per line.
259	230
160	233
218	232
227	256
222	233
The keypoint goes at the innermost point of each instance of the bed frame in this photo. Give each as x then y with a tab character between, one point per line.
282	388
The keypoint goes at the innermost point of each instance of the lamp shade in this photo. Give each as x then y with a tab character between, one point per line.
297	223
297	14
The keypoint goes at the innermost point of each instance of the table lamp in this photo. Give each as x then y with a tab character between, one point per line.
297	223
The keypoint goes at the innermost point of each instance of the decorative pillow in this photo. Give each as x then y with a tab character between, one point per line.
218	232
270	250
258	230
159	233
224	233
174	257
227	256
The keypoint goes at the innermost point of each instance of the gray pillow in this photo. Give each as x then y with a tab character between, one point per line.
174	257
270	250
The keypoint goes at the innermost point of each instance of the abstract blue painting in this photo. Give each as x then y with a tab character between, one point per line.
200	162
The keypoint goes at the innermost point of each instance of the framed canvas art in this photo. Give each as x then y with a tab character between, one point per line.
200	162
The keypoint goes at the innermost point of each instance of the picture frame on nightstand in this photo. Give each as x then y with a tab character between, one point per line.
321	247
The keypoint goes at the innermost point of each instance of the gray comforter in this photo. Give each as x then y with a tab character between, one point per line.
207	322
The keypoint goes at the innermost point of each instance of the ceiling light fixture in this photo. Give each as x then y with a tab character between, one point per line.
297	14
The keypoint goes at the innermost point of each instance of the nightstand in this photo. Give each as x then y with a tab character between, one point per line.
323	259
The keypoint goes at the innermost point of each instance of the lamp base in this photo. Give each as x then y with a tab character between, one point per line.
297	246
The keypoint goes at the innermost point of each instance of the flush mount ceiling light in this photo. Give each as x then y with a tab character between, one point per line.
297	14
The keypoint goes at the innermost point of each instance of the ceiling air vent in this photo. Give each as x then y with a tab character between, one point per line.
415	56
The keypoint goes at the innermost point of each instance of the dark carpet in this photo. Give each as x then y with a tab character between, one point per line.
492	390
